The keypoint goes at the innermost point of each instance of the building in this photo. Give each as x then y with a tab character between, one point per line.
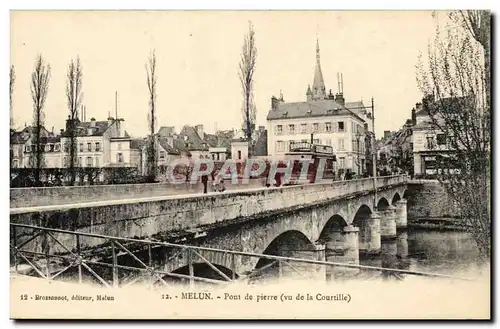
428	142
23	148
323	119
98	144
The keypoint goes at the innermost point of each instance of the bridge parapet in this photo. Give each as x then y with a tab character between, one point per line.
147	217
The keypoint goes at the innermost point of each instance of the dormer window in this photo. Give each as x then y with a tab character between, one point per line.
57	147
309	111
28	148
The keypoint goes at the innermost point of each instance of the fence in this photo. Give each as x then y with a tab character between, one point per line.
81	257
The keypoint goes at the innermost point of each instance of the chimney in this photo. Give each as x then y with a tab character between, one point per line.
366	127
262	129
274	103
92	122
121	127
418	106
330	95
110	120
69	123
170	130
62	131
387	134
339	99
199	130
413	116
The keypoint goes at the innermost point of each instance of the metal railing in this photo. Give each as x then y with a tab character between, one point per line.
81	257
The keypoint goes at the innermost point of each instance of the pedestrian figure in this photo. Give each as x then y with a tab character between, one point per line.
204	181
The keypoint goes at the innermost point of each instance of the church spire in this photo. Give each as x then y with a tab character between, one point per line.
318	88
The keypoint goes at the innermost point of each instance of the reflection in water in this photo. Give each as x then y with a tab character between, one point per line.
443	252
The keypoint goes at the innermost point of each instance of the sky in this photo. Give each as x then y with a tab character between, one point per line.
197	62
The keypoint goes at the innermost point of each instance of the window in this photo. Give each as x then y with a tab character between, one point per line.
441	139
430	142
119	157
119	146
47	147
162	154
97	146
57	147
279	129
280	146
66	147
341	144
28	148
291	129
328	142
65	162
303	128
89	161
97	161
79	161
315	127
89	146
328	126
239	154
342	162
341	126
81	147
316	141
15	164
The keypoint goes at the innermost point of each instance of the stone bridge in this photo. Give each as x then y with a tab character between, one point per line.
333	221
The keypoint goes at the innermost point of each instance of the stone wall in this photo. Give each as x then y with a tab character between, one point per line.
429	199
43	196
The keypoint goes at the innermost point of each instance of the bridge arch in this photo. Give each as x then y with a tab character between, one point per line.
383	203
334	225
406	194
289	244
395	198
361	220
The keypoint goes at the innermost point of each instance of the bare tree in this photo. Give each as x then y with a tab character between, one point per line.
151	143
12	76
40	78
457	86
246	74
74	96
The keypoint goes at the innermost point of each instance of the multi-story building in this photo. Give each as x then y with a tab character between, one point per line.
98	144
429	143
323	119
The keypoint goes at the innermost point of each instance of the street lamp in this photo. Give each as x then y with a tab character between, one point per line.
358	136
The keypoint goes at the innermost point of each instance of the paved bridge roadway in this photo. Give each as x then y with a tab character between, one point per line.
332	221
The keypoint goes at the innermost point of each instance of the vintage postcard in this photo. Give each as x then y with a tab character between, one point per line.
250	164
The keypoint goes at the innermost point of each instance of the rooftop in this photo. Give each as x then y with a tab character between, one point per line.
314	108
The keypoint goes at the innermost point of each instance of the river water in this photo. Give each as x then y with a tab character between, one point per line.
424	250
